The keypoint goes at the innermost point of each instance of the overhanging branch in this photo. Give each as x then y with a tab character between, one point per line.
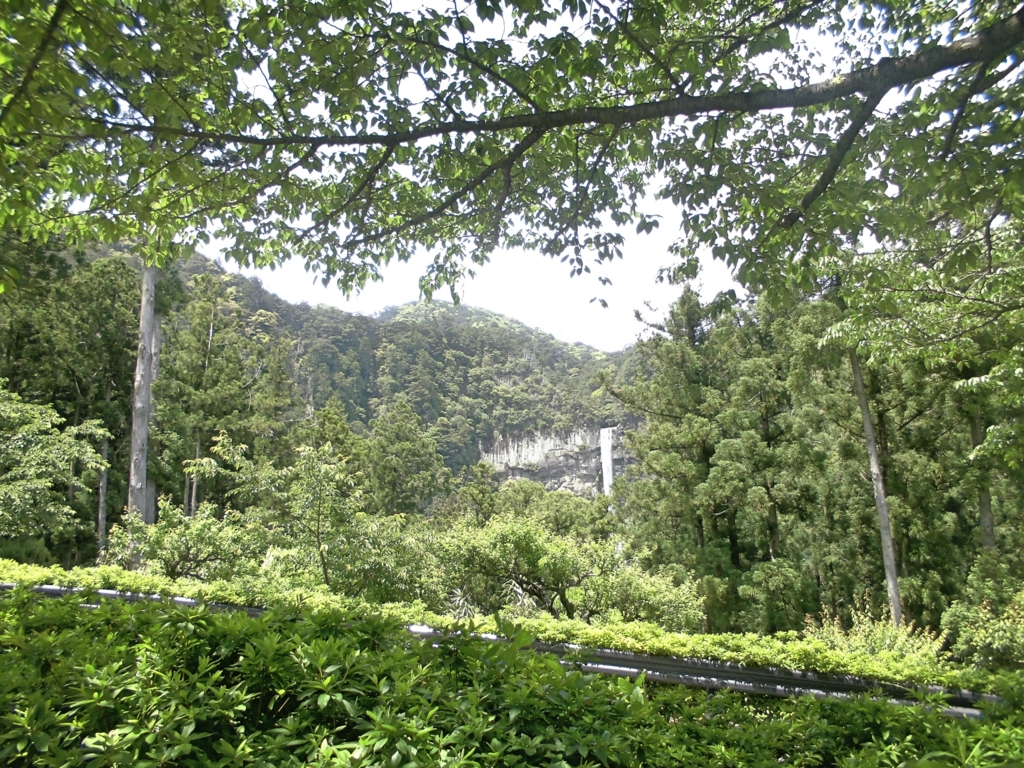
37	58
983	46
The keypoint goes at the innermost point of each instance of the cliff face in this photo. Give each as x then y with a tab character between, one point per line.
569	461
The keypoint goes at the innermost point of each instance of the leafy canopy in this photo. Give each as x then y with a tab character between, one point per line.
350	134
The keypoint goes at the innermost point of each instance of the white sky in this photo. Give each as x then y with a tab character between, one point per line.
531	288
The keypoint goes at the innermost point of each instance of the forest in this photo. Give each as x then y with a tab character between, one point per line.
338	452
823	471
302	456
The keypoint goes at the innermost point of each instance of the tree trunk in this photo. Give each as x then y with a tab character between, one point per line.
985	518
142	399
734	538
774	538
101	506
195	487
157	347
888	550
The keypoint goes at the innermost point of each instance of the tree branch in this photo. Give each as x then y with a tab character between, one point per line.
835	161
878	78
506	162
37	58
954	127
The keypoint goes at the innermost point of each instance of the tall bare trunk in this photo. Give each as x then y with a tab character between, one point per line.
881	504
195	487
101	504
985	518
157	346
142	400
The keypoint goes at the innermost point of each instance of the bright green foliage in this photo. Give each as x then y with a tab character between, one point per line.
145	685
205	545
874	651
220	369
68	339
332	689
752	472
466	130
949	299
521	563
988	625
36	460
307	525
404	469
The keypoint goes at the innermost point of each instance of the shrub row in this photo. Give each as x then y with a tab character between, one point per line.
153	684
874	651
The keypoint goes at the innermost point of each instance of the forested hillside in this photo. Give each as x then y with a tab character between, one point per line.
236	359
749	507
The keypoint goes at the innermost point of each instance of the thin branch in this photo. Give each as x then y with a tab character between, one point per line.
37	58
740	41
369	179
954	127
665	68
509	160
486	69
835	161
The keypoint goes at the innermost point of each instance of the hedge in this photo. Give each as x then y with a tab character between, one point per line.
878	654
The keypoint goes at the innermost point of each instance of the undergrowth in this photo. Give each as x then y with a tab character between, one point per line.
152	684
871	650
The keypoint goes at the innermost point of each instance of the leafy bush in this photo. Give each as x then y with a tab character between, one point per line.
152	685
878	637
787	650
36	460
149	685
988	626
206	546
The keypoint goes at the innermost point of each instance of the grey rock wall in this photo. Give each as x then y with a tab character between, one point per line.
569	461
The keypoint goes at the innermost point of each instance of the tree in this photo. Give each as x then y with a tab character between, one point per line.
404	469
142	399
36	458
350	134
68	339
221	371
752	470
950	299
878	485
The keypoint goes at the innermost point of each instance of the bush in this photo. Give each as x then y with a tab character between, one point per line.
149	685
156	685
988	627
787	650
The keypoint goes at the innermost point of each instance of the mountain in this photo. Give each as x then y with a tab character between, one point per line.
488	386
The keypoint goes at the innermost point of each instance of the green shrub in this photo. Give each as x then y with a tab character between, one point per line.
988	626
788	650
152	685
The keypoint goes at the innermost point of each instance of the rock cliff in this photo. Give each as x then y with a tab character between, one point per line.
569	461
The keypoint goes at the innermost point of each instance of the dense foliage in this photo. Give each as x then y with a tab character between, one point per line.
428	380
751	469
854	425
151	685
870	649
747	509
466	128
